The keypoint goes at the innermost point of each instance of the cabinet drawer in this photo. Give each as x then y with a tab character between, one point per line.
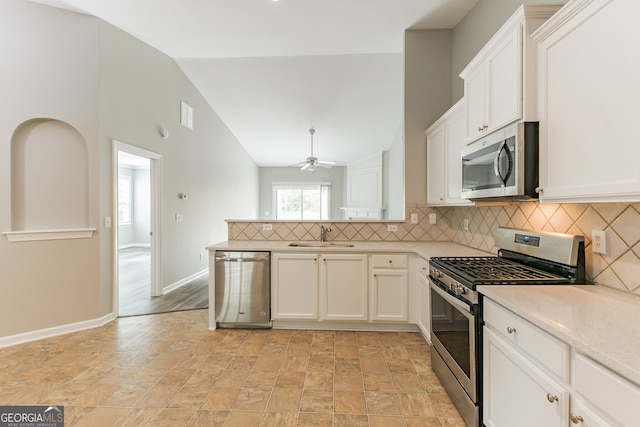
606	390
546	349
389	261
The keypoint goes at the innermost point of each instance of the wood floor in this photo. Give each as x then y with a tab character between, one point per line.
134	297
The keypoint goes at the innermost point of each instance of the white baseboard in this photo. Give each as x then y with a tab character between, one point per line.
55	331
134	245
179	283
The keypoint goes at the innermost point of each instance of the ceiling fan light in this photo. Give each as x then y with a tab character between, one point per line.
311	167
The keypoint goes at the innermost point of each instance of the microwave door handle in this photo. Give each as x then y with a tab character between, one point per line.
496	164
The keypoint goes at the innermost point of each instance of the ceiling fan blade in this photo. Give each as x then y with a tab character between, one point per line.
327	165
306	166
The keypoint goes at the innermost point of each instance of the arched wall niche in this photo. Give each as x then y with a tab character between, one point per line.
49	177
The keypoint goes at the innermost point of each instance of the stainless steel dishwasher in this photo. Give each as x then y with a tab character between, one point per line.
243	289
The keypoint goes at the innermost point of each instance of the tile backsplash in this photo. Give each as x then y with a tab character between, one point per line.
619	268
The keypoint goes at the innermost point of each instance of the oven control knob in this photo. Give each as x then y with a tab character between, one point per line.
459	290
435	273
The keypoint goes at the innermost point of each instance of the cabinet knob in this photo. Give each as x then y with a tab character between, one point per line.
390	261
480	128
511	330
576	419
485	126
551	398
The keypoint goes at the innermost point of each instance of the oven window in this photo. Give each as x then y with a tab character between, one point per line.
479	168
451	327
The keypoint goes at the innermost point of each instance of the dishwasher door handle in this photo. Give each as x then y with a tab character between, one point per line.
241	259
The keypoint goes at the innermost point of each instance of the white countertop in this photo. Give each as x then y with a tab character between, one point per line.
599	322
423	249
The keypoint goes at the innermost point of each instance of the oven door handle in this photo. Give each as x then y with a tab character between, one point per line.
453	300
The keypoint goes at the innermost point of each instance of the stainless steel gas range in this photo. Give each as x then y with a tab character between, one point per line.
524	257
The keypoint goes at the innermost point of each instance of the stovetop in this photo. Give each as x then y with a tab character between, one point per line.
473	271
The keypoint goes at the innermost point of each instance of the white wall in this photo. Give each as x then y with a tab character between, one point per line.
269	175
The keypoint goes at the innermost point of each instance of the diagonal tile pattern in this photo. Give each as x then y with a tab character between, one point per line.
169	370
619	268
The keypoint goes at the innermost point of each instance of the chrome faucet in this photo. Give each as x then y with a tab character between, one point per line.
323	233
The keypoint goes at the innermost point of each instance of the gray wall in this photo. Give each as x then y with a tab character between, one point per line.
427	96
393	178
475	30
140	91
269	175
49	68
107	85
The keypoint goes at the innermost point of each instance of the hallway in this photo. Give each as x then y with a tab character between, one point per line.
134	297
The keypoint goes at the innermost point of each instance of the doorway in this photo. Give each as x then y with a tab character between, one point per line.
136	235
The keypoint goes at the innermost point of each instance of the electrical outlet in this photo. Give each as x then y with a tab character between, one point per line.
414	218
465	224
178	217
267	227
201	256
599	241
107	222
432	218
392	227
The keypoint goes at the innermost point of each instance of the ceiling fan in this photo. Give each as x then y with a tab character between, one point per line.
312	162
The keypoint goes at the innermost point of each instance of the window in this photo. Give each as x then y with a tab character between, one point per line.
302	201
124	200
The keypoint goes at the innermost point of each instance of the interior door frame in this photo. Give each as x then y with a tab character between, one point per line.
155	160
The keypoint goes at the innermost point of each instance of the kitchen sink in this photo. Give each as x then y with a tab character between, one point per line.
320	245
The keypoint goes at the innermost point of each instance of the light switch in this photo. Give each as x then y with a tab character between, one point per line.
107	222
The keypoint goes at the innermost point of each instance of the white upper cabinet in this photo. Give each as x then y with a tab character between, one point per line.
499	83
589	63
445	138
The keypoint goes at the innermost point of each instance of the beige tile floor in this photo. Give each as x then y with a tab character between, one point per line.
169	370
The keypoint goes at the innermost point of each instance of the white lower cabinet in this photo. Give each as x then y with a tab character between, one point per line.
294	286
388	288
516	392
343	287
531	378
388	295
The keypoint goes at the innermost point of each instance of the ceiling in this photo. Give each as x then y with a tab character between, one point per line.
274	69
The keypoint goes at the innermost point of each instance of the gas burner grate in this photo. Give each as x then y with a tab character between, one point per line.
494	270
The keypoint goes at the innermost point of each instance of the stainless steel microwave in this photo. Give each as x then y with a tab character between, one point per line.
502	165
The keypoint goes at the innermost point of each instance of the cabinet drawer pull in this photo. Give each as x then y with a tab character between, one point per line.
576	419
551	398
511	330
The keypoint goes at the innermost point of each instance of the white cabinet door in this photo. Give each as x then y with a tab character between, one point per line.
436	171
445	139
453	160
343	287
474	100
493	90
516	392
588	97
294	286
388	295
504	82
